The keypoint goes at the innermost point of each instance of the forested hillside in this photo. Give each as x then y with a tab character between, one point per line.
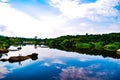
6	42
110	42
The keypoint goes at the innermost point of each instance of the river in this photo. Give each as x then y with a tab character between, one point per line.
54	64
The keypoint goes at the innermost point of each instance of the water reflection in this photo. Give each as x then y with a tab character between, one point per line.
54	64
101	52
73	73
11	48
3	71
14	48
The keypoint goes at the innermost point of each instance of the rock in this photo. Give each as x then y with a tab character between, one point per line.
4	51
19	48
118	51
3	60
33	56
17	58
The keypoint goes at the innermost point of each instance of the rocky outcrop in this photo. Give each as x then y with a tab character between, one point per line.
4	51
20	58
118	51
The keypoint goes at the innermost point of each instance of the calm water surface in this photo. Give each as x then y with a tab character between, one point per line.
53	64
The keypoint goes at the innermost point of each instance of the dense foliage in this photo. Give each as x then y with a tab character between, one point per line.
105	44
6	42
110	42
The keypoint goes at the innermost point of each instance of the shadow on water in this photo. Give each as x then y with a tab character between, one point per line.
101	52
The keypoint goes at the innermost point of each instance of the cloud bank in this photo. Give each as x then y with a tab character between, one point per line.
73	17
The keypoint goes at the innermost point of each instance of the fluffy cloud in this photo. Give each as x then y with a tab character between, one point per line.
21	24
93	11
2	28
74	18
4	1
94	18
16	21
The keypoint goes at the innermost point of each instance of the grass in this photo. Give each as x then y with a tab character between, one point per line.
111	47
98	45
83	45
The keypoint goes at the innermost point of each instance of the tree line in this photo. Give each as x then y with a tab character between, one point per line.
109	42
6	42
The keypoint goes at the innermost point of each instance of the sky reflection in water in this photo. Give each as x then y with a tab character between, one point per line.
53	64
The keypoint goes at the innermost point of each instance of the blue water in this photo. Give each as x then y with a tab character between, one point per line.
53	64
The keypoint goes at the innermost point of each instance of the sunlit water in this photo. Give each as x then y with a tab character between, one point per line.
53	64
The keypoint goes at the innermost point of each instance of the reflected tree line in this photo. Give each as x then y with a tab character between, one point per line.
6	42
98	44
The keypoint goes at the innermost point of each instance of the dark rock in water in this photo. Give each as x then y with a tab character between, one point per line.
17	58
33	56
19	48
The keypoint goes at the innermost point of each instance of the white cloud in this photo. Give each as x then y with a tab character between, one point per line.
4	1
2	28
115	27
93	11
17	21
24	25
75	18
20	24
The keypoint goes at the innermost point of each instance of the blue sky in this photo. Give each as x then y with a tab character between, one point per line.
53	18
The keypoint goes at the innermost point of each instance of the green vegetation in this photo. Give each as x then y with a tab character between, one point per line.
112	46
6	42
98	45
83	45
109	42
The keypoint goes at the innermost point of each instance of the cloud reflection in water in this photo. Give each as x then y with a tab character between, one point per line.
3	71
88	73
